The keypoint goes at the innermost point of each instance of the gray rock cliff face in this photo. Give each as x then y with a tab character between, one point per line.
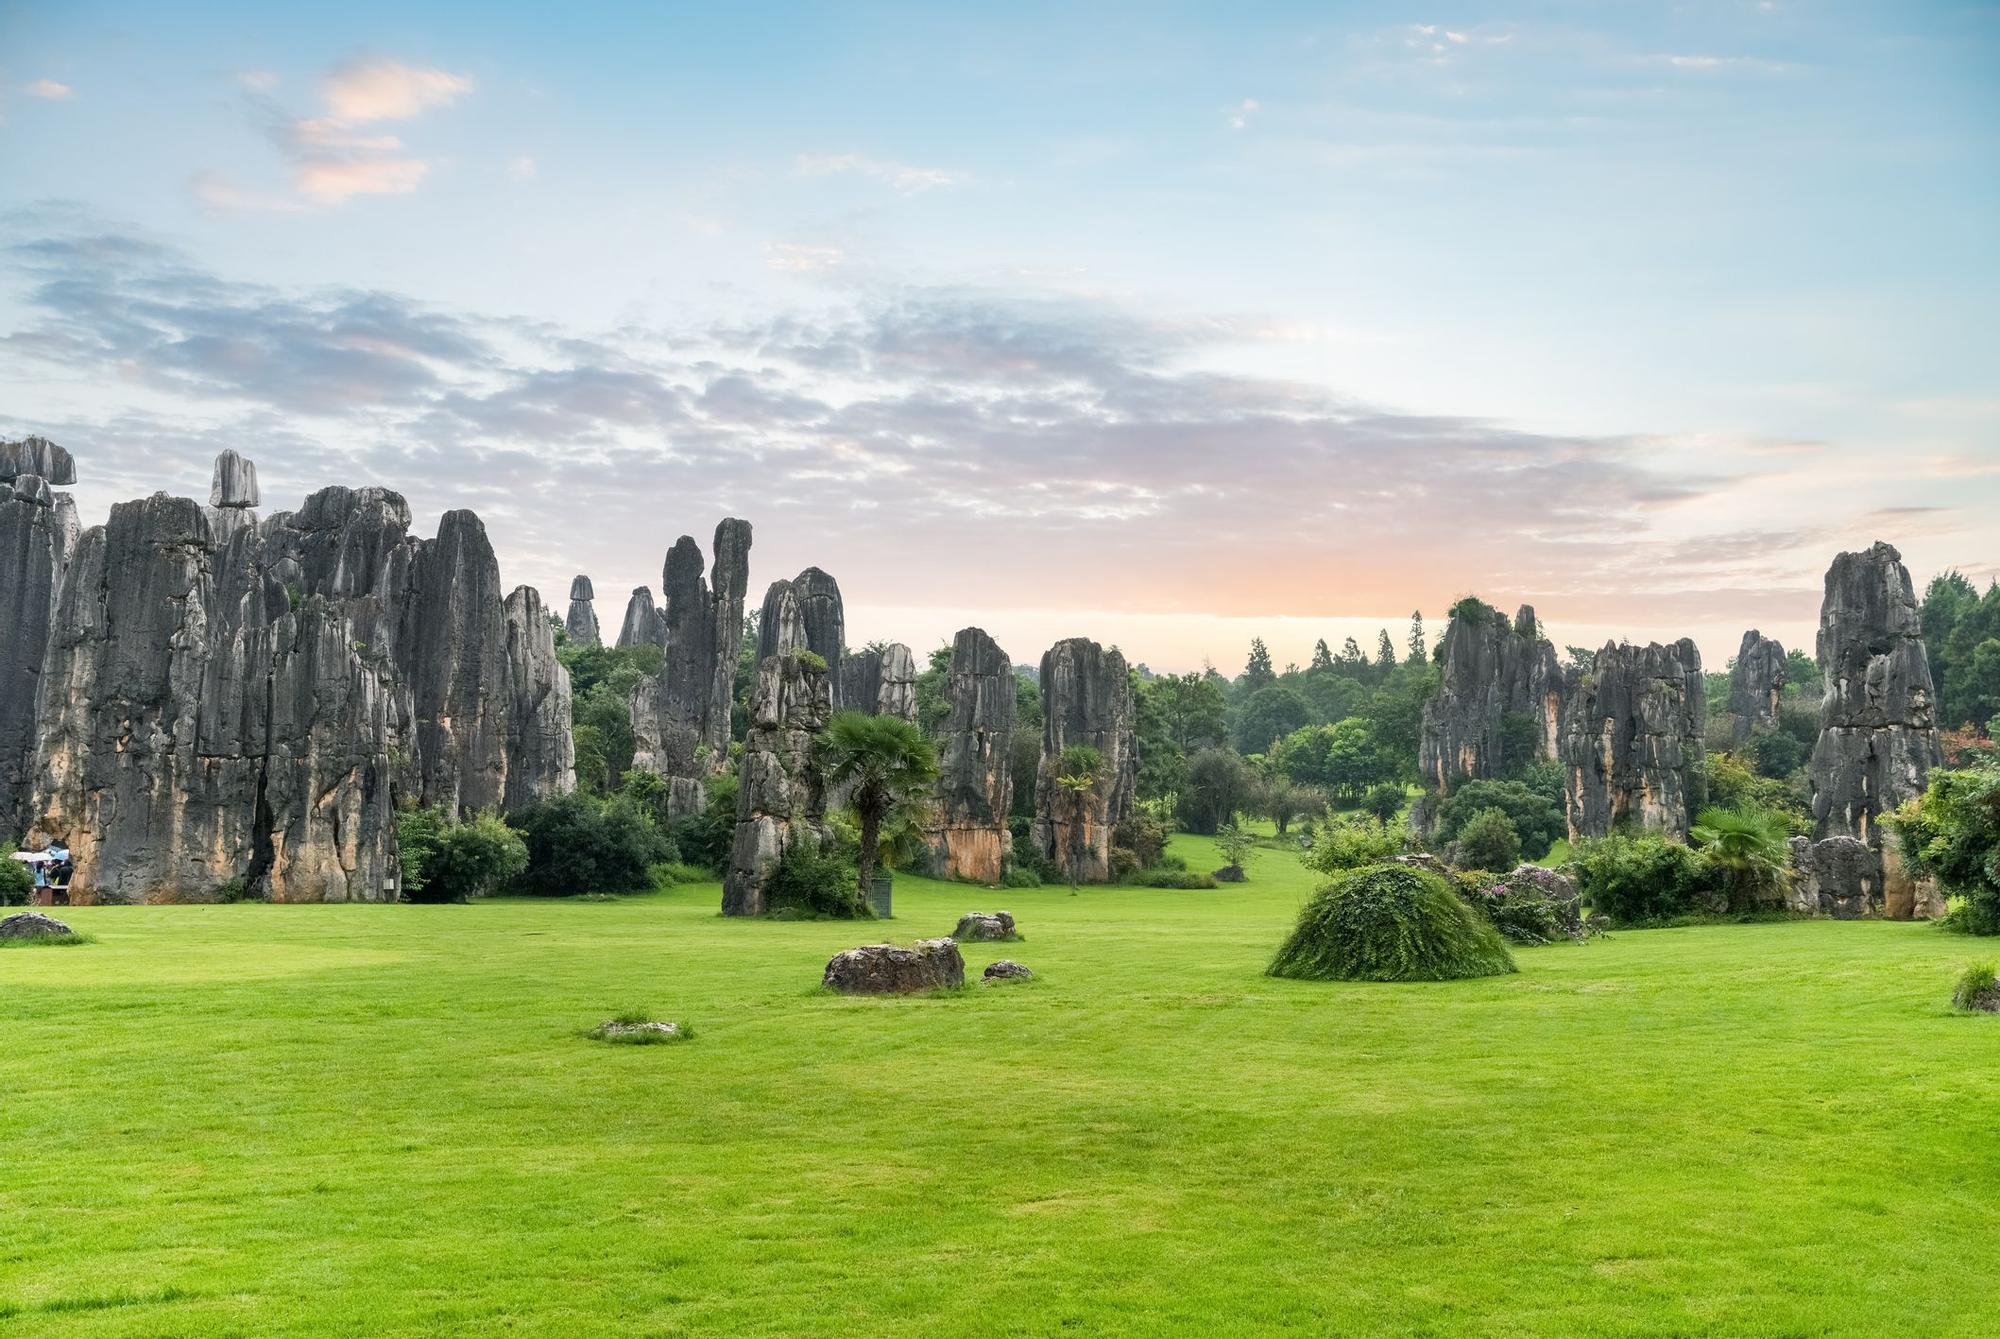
1632	740
1755	685
1491	670
1086	702
1878	737
975	788
680	718
581	624
37	537
642	625
781	795
822	619
37	456
252	706
880	683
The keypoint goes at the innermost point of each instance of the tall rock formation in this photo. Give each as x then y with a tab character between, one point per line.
1086	702
975	786
253	707
642	625
1755	685
581	625
1501	689
821	617
38	534
781	796
680	718
1878	736
233	496
540	748
879	682
1632	740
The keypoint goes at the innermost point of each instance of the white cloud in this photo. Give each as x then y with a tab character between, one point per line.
1240	114
803	257
388	90
904	177
333	180
339	155
1701	64
522	167
49	90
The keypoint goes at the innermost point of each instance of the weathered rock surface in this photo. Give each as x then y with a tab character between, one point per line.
37	456
680	719
1006	970
990	926
541	754
1541	886
234	483
613	1029
1878	736
1086	702
36	539
581	624
887	969
642	625
975	787
879	682
1835	876
1755	685
253	707
1632	740
817	621
780	794
32	925
1492	670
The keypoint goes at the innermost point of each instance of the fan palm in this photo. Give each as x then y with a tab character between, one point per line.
887	762
1750	847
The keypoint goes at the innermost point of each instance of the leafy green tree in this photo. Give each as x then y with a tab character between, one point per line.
1235	844
1419	655
1219	788
1257	671
470	859
1488	841
1952	831
1385	652
1322	660
933	711
1385	802
1269	715
1537	815
1645	879
885	764
578	843
1189	712
1281	799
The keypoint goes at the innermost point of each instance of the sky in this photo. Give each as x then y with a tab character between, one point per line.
1168	325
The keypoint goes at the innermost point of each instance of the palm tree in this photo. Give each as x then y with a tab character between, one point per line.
1750	847
888	763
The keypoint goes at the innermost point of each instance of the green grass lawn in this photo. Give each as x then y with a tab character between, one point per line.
252	1120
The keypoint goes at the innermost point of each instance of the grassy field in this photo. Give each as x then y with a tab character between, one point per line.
251	1120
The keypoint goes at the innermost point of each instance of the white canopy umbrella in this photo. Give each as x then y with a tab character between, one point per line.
33	857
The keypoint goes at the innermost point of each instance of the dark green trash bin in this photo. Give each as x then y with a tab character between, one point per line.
879	889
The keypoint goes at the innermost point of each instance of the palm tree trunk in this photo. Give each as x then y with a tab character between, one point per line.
871	836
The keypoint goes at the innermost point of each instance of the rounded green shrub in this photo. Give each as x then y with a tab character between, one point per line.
17	885
1390	922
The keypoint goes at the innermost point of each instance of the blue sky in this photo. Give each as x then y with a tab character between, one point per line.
1164	324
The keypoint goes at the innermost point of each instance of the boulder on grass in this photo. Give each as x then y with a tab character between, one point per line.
1230	874
1006	970
888	969
991	926
33	925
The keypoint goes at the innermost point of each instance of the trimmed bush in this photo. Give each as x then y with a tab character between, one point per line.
1488	841
1390	922
1162	876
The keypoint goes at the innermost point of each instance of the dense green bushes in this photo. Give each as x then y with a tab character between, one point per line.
577	843
1646	879
1390	922
446	860
1533	806
17	885
1488	841
1952	832
810	883
1344	843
